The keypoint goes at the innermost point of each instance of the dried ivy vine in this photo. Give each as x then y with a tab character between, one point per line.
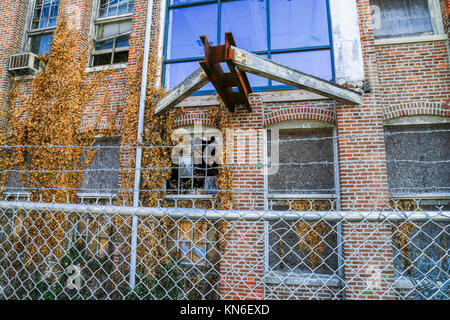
44	140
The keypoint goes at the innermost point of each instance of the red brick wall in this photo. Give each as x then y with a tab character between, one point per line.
445	9
405	79
12	21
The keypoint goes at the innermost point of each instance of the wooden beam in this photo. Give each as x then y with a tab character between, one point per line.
189	86
253	63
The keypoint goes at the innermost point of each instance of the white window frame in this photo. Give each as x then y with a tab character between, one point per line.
205	242
430	198
296	278
96	21
29	32
436	21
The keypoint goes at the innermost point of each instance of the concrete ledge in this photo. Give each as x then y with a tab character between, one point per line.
107	67
299	279
416	39
266	97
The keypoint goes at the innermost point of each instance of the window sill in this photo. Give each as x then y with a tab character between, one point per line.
415	39
107	67
16	195
266	97
405	283
190	196
102	196
25	77
306	279
421	196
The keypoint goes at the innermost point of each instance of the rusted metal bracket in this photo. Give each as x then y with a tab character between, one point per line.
233	86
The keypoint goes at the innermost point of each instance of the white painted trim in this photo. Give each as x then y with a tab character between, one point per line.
436	16
415	39
107	67
421	196
348	58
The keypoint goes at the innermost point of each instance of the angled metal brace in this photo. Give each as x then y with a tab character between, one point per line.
270	69
189	86
240	61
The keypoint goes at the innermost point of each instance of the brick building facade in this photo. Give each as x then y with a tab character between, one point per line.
403	77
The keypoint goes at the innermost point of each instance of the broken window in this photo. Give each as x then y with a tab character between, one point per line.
304	181
112	32
400	18
42	26
287	31
195	242
102	175
196	164
91	236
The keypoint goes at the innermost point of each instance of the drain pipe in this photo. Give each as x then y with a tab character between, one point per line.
337	185
140	131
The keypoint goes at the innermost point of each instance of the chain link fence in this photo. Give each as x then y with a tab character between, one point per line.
85	251
278	232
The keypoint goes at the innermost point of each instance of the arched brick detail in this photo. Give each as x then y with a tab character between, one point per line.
191	118
325	114
417	108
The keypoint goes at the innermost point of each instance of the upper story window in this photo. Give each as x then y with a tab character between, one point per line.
112	32
292	32
402	18
42	26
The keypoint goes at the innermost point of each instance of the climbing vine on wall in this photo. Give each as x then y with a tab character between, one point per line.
311	235
47	142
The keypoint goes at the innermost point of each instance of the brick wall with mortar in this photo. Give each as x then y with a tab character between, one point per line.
405	79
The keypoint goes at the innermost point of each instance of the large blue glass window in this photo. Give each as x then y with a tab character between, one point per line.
294	32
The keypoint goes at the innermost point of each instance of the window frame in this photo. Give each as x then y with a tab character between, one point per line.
166	6
192	130
205	242
91	195
98	21
303	278
30	32
430	197
434	11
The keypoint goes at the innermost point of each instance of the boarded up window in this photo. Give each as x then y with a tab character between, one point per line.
306	162
400	18
102	176
287	254
428	144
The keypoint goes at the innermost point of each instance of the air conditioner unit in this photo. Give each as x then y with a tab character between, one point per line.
24	64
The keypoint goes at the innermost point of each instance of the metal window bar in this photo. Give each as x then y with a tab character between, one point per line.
45	14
